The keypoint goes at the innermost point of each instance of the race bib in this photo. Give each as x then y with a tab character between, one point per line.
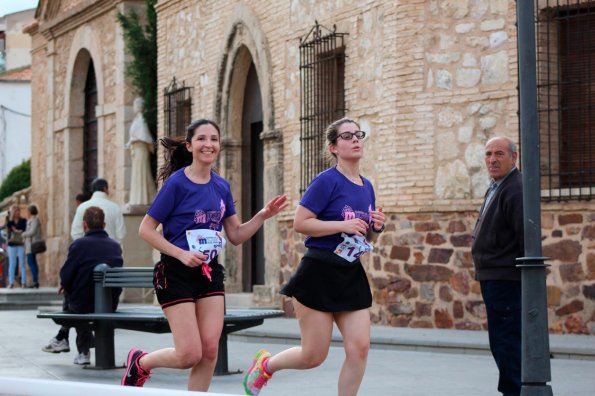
207	242
352	247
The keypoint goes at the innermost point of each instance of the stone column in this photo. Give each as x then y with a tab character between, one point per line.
273	185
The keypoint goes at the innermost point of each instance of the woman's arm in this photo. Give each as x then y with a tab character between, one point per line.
32	227
378	219
305	222
238	232
148	232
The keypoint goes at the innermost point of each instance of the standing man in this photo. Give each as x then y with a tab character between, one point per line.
76	281
497	242
114	220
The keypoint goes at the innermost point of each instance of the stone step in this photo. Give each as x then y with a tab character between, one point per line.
23	305
22	294
238	300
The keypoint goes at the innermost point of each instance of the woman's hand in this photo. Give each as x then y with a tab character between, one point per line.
192	259
355	226
378	218
274	206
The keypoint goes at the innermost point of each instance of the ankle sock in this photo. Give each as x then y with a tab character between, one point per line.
265	367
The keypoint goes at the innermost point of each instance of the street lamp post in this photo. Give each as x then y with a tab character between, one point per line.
535	366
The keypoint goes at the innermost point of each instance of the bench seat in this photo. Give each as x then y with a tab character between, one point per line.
145	318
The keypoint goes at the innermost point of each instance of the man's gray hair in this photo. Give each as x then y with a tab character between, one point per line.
512	147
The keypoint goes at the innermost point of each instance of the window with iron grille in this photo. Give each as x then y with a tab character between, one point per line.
322	92
177	107
565	34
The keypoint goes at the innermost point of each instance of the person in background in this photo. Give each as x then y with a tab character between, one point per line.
114	219
498	239
193	205
76	281
338	215
32	234
16	246
80	198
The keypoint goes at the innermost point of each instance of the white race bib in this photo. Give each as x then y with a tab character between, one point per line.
207	242
352	247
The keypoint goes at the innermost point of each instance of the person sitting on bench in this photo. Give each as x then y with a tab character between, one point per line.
76	281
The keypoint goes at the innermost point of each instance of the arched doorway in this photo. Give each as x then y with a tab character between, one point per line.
252	151
252	180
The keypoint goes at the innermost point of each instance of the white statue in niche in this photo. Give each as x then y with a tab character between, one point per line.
142	185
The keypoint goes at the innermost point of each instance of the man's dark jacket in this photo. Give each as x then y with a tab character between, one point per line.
498	238
76	275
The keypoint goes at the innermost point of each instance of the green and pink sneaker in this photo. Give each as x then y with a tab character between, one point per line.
257	376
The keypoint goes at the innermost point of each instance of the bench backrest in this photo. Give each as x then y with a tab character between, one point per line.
106	277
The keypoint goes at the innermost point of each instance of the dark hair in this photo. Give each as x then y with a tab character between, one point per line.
99	184
176	154
33	209
94	217
81	197
332	133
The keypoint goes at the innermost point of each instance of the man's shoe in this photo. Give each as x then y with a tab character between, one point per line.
57	346
256	376
135	375
83	358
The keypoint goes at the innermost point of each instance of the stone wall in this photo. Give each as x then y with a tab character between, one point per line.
422	275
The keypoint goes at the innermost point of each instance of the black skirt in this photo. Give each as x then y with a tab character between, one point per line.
326	282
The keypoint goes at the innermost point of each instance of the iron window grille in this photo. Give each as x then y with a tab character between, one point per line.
565	38
177	107
322	94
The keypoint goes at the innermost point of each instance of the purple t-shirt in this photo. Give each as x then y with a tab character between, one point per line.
184	205
333	197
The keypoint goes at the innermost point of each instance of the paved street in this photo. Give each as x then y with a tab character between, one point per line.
389	372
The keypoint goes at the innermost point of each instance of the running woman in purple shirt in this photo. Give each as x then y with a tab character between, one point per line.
193	206
339	217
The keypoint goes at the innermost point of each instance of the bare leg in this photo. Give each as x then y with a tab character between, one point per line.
187	350
209	312
316	330
355	328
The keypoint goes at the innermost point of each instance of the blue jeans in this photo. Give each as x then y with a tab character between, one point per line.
503	307
15	252
32	260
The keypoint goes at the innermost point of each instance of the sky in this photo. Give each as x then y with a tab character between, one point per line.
10	6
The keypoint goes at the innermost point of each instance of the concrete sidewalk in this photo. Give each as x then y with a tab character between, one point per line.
430	340
402	361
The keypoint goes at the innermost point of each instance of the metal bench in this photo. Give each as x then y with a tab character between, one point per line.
144	318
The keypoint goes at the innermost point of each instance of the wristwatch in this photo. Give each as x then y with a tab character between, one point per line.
376	230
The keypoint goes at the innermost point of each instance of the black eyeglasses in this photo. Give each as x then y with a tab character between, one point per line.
350	135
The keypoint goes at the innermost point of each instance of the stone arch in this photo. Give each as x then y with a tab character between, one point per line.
244	34
245	44
84	49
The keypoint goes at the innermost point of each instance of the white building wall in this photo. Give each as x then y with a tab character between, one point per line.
15	124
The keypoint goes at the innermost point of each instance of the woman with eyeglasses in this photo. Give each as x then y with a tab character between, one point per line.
338	215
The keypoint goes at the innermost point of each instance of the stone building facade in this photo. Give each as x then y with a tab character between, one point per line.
79	89
429	80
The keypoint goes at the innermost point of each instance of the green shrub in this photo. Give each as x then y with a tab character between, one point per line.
18	178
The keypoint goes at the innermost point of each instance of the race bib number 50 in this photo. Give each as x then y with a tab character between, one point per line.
352	247
207	242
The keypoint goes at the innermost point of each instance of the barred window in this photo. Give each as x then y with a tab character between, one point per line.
178	108
565	34
322	89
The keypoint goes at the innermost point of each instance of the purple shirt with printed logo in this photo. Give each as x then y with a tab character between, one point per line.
333	197
184	205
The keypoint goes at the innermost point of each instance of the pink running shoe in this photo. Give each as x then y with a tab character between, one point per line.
256	377
135	375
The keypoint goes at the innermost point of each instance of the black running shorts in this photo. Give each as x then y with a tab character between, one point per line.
177	283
